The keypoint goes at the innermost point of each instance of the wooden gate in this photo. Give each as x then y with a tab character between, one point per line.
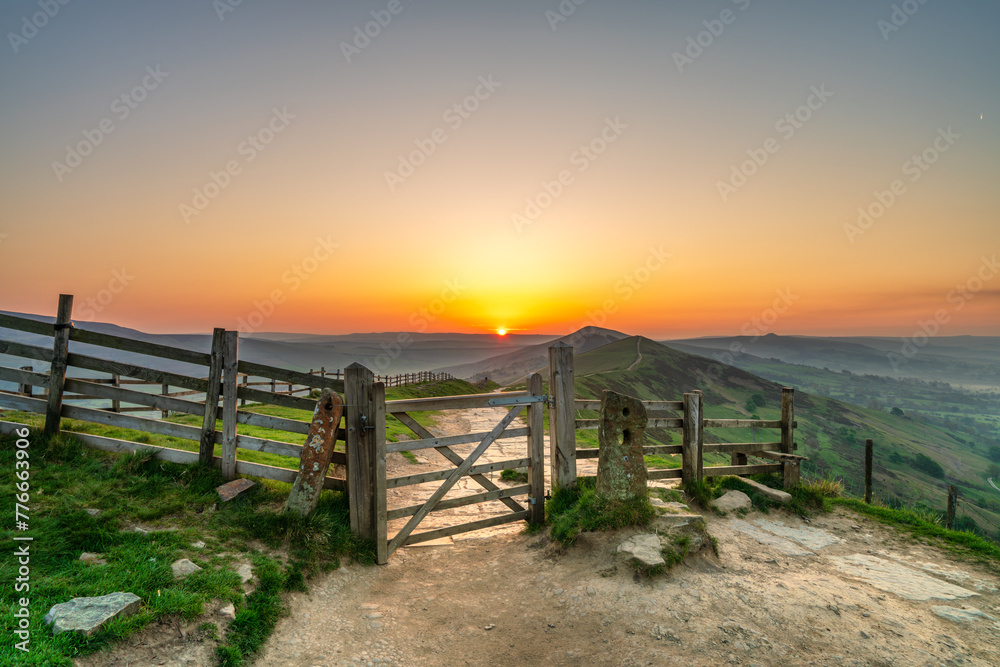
367	449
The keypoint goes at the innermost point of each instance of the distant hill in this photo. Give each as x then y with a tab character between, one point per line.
384	353
517	365
965	360
831	433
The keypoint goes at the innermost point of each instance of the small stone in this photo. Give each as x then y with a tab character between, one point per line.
141	531
865	635
245	572
183	567
232	489
490	626
93	559
557	591
228	612
198	545
376	625
88	615
644	549
92	512
375	614
732	500
591	591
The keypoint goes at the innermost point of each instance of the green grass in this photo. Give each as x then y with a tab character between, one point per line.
571	511
66	478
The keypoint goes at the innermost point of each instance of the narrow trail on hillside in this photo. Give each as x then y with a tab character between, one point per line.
638	354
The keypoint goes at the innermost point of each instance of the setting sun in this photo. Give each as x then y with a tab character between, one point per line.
501	331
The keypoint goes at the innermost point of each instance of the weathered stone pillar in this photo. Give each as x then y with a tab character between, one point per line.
316	455
621	469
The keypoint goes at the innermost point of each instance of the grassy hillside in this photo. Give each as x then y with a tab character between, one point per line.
831	432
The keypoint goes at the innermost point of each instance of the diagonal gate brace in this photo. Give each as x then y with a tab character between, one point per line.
456	475
455	459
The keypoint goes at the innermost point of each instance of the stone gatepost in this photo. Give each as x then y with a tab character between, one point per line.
621	469
316	455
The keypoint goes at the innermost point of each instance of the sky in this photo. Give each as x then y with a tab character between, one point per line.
671	169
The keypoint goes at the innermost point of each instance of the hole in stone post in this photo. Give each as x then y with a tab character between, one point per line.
625	412
626	437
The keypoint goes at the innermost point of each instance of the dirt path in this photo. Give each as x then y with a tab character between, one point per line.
838	591
638	354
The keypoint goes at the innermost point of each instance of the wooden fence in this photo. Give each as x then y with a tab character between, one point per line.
563	426
220	382
227	379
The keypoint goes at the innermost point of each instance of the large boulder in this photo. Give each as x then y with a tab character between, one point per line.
621	468
88	615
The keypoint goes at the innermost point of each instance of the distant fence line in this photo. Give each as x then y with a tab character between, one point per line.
400	380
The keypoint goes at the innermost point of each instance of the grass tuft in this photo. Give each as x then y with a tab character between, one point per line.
580	509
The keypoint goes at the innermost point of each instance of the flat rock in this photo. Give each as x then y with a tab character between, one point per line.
232	489
228	612
94	559
670	522
88	615
810	538
183	567
899	579
732	500
964	615
198	545
769	539
644	549
776	495
92	512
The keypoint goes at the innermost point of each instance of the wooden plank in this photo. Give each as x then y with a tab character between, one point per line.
288	375
448	440
664	473
26	351
268	421
536	453
455	458
23	403
465	528
448	402
379	474
230	357
23	377
131	422
791	469
745	447
57	370
452	479
592	424
211	404
26	325
741	423
663	449
139	347
281	400
651	406
149	375
779	456
562	423
452	503
588	453
723	471
155	401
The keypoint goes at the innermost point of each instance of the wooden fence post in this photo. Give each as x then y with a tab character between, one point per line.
116	405
949	522
230	357
358	382
246	383
207	448
868	471
536	453
57	370
25	388
692	440
562	419
376	444
789	468
164	391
